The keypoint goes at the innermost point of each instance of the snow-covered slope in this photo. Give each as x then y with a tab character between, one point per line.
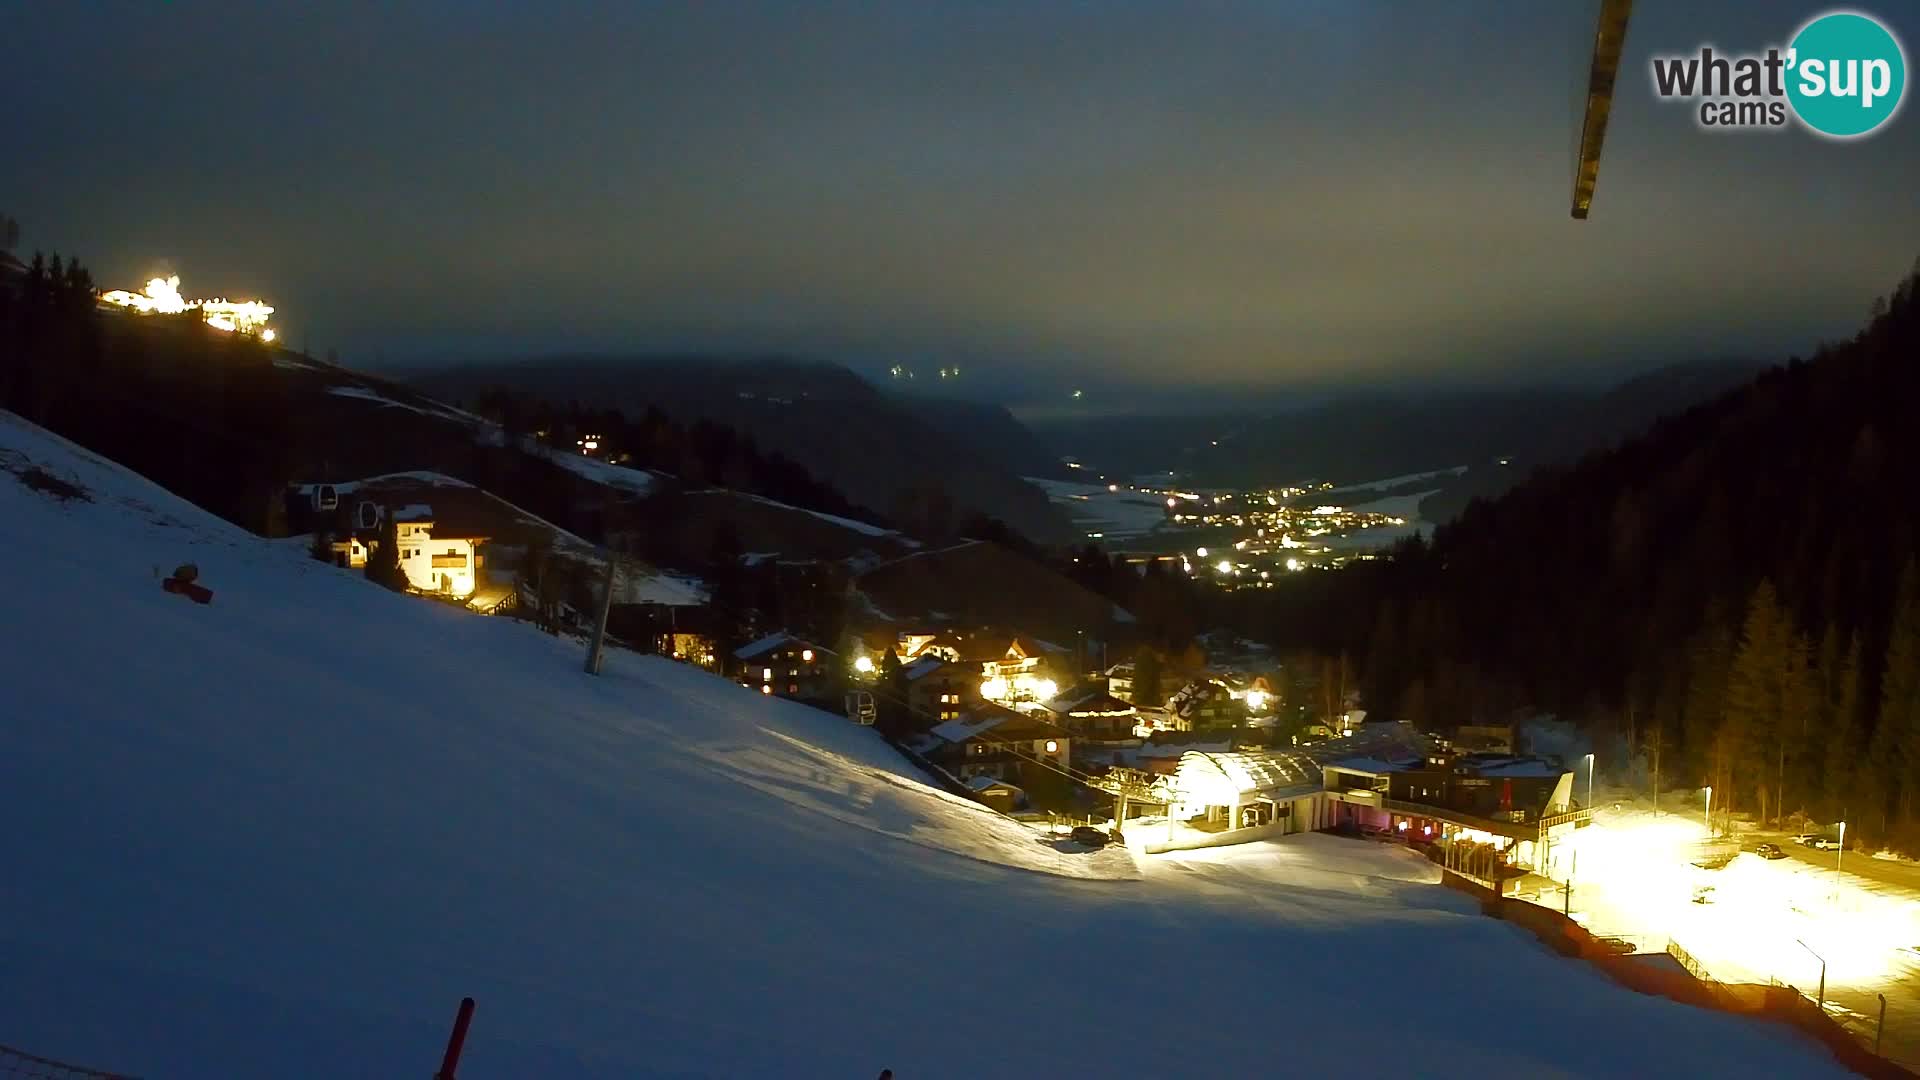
283	834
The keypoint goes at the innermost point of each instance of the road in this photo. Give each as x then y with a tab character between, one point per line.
1900	875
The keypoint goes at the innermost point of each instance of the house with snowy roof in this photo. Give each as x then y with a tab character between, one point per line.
939	690
1091	711
992	740
789	666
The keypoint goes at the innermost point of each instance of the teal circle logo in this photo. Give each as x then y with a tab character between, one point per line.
1846	74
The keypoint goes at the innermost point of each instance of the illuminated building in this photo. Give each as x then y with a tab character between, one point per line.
162	297
783	665
996	741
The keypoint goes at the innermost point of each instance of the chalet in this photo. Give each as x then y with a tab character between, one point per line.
997	793
939	690
436	559
996	741
1120	681
1025	671
1089	711
1202	704
783	665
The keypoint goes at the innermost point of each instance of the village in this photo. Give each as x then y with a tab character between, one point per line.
1092	741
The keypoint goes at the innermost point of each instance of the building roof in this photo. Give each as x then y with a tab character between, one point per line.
1003	722
922	668
773	641
1512	766
984	782
1371	766
1189	697
414	513
1238	777
1090	699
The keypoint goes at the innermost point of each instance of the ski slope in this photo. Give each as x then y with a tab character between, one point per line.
283	834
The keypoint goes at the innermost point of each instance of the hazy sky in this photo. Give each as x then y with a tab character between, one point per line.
1203	195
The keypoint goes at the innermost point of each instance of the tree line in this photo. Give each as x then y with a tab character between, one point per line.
1732	592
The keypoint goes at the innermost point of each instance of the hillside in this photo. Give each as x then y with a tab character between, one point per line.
1738	583
282	834
876	450
984	584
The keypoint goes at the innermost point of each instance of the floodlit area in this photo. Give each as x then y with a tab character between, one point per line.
1646	878
285	832
162	297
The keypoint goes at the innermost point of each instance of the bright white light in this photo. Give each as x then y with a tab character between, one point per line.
1202	552
1044	689
1224	566
994	689
1172	502
1113	487
766	674
267	335
863	665
1293	564
1052	747
162	296
806	655
1256	699
765	689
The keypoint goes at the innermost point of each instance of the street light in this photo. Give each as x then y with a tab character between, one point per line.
1822	1002
1840	849
1709	809
1589	781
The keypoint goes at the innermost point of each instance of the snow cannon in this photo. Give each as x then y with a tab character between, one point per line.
185	582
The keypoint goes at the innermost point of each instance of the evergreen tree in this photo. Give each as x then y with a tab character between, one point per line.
1768	696
890	697
1900	691
1845	737
1704	706
383	562
322	546
1147	678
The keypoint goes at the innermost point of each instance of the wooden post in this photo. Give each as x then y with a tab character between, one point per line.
600	624
1882	1028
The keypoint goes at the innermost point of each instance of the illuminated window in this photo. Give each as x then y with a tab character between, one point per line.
766	674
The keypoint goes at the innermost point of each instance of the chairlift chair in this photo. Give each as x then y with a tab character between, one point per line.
861	708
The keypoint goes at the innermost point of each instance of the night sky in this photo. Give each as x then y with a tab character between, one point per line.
1201	195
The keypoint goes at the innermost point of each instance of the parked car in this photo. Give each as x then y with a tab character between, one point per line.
1821	843
1806	840
1090	836
1770	851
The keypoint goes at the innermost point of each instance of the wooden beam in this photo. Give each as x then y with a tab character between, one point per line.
1609	38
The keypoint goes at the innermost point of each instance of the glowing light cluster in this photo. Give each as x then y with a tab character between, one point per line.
1021	686
162	297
